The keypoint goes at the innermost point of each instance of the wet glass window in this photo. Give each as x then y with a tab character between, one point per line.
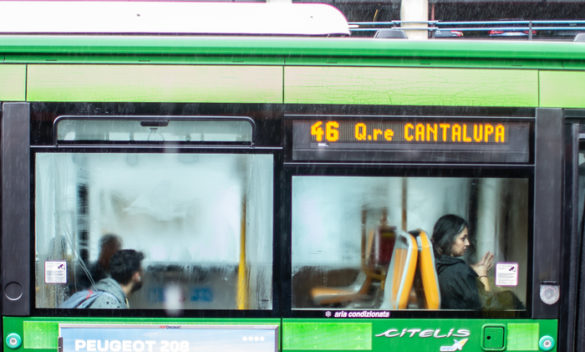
418	243
203	223
154	129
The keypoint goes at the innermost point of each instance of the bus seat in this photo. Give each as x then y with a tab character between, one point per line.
401	272
361	286
427	279
341	295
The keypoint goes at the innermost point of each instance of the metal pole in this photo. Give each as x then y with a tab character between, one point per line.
417	13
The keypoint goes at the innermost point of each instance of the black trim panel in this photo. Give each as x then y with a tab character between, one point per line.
16	261
548	176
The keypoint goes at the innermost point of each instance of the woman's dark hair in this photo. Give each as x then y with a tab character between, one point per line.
445	231
124	264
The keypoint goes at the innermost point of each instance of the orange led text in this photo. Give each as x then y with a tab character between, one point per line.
455	132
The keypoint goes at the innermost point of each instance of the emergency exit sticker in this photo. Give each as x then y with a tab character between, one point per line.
507	274
56	272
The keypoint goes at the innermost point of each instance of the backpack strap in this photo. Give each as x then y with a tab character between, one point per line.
92	296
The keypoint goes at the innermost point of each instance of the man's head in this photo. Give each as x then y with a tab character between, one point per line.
126	268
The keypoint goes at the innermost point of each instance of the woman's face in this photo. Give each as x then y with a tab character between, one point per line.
461	243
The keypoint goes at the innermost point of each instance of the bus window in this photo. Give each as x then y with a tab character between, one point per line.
384	243
202	221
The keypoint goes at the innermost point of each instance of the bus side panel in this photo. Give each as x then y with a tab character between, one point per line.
411	86
13	78
147	83
42	333
562	89
415	334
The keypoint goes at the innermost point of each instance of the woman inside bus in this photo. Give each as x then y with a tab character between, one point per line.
461	285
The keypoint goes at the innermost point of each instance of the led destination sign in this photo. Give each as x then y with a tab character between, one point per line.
408	132
412	139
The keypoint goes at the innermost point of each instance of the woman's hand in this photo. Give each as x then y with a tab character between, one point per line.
484	265
482	268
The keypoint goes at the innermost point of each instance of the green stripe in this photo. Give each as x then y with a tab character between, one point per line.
40	335
145	59
562	89
409	86
523	337
12	82
324	336
425	62
279	46
155	83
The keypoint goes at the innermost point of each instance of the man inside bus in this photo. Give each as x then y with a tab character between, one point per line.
125	278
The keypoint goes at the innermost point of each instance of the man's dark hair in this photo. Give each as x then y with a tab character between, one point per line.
445	231
124	264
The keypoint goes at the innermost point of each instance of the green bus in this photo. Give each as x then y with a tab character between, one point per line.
292	193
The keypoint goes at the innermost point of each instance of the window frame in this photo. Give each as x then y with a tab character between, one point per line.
276	154
414	170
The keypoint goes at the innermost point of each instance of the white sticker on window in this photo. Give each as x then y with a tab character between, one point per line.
56	272
507	274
